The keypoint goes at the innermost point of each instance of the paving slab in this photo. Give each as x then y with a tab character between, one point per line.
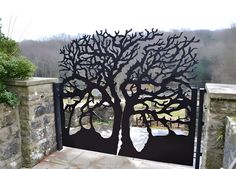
50	165
65	156
71	158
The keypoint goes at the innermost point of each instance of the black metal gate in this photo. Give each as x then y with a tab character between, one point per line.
129	94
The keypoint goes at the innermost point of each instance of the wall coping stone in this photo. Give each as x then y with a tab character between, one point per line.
31	81
221	91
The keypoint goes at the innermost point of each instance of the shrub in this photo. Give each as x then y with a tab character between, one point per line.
12	66
15	67
9	47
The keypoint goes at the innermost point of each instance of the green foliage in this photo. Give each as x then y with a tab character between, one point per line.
15	67
7	97
12	66
9	47
1	34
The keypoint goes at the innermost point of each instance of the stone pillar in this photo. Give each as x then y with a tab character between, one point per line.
229	160
37	122
10	141
221	102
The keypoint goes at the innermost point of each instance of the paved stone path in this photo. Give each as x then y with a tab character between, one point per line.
70	158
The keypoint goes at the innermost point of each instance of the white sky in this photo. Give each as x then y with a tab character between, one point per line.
36	19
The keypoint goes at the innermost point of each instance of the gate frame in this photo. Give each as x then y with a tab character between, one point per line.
200	124
58	106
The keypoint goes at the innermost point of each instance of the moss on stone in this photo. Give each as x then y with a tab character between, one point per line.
214	160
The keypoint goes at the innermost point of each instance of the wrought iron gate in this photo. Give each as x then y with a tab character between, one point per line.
129	94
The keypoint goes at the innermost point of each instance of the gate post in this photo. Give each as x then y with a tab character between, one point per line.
199	127
37	118
221	102
57	88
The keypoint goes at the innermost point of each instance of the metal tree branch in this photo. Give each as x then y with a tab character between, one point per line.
128	70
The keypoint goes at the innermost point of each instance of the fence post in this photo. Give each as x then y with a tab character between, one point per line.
57	90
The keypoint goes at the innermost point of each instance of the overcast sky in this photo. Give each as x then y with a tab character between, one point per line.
35	19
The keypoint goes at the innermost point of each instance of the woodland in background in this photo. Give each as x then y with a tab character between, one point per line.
216	54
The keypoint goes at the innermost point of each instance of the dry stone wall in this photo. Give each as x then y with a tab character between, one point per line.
10	139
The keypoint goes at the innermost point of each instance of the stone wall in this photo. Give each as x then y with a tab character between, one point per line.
221	102
229	160
10	141
36	116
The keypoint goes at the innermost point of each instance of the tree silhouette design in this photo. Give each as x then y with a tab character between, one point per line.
120	67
